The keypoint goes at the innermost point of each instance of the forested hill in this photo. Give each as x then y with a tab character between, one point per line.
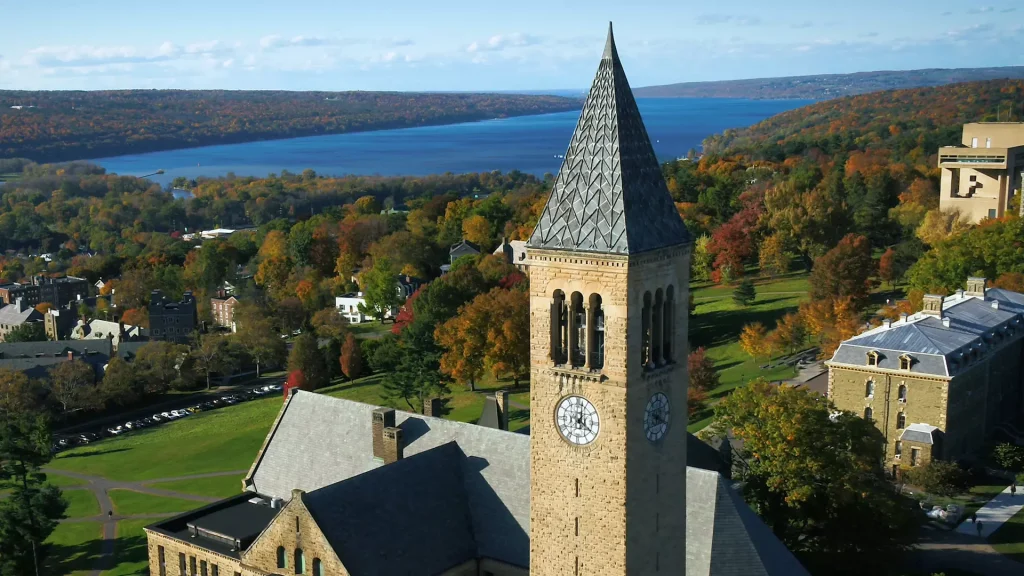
826	86
899	122
58	126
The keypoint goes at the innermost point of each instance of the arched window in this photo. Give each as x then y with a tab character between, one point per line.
902	393
645	333
558	326
282	557
595	341
577	330
905	362
872	358
869	389
300	561
668	324
901	421
318	568
867	413
656	327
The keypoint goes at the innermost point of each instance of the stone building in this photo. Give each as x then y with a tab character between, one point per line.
981	176
514	252
57	291
939	382
601	485
172	321
14	315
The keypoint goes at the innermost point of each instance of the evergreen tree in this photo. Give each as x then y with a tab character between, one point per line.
745	293
30	513
307	358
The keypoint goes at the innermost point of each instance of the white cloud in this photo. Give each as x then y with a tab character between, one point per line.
716	19
501	42
980	10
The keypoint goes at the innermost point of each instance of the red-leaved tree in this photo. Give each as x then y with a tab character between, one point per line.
406	314
295	380
703	375
732	244
844	271
351	358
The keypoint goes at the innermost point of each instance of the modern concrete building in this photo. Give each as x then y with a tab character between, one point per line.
601	486
980	177
172	321
939	382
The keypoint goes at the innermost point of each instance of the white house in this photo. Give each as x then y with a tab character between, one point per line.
348	306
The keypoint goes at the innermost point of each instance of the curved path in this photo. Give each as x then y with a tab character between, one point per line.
100	488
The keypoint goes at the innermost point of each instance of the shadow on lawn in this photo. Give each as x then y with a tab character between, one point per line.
90	453
132	550
720	327
68	558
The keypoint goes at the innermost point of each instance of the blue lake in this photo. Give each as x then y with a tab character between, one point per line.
528	143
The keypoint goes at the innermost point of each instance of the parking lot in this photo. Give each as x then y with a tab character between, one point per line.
65	441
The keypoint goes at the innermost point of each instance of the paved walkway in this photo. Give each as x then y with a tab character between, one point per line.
944	550
100	488
993	514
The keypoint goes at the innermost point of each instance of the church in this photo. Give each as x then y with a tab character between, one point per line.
601	486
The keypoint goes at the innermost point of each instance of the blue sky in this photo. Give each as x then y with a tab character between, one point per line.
483	45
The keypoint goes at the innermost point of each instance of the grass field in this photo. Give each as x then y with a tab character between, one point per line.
81	504
214	487
1009	539
73	548
130	555
130	502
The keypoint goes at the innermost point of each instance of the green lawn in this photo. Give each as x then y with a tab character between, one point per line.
370	329
214	487
129	502
73	548
215	441
64	481
81	504
130	552
1009	539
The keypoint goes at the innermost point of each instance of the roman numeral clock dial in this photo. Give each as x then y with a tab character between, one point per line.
577	420
656	417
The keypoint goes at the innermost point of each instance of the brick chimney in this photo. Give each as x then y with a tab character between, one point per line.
932	305
392	444
501	396
432	407
382	418
20	303
976	286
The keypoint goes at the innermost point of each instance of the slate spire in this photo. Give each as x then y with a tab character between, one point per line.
609	196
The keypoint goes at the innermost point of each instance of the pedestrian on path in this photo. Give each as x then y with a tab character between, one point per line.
1013	489
979	527
974	517
110	514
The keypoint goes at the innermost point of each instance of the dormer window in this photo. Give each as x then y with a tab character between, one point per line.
872	358
905	362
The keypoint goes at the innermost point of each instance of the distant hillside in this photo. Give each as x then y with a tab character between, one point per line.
826	86
57	126
916	120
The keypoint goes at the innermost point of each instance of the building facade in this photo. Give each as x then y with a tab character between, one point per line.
15	315
600	486
57	291
172	321
981	177
514	252
939	382
223	311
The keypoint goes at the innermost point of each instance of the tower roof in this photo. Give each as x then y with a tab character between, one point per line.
609	196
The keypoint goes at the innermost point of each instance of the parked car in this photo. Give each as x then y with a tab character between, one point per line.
115	431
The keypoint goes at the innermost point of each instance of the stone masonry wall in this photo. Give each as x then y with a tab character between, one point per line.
172	548
261	557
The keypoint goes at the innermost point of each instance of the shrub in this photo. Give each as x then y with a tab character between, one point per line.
939	477
1009	456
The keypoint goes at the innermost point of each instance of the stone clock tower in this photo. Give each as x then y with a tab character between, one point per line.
609	272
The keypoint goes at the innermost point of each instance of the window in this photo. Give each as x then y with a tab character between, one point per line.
657	316
282	557
595	342
160	560
992	213
901	421
300	561
915	456
202	568
988	142
902	393
899	449
974	142
869	389
645	333
215	569
872	358
667	325
181	564
558	327
192	564
867	413
578	344
318	568
905	362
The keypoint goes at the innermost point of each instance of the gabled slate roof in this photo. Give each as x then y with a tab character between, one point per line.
975	324
609	195
470	487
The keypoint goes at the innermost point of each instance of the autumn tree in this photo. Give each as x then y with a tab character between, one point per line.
329	323
159	364
296	381
939	225
732	244
27	332
844	271
351	358
71	384
772	256
477	230
1013	281
696	400
17	392
814	475
306	358
210	353
120	386
830	321
464	340
701	369
700	262
256	335
380	290
790	334
753	340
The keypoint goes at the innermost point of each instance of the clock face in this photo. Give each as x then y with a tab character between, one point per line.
656	417
577	420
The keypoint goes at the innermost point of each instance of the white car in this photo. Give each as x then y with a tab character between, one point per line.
116	431
157	417
168	415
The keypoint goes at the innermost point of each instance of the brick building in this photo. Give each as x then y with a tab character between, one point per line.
14	315
601	486
57	291
222	308
172	321
939	382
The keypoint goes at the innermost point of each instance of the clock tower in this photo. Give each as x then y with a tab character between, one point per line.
609	273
